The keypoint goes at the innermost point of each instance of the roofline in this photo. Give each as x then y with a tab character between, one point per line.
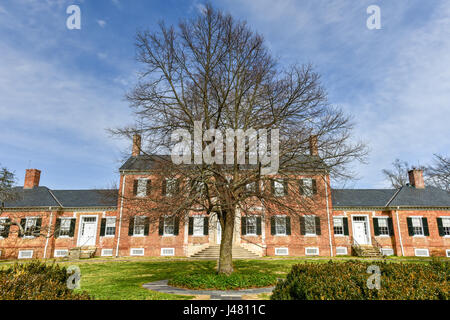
391	208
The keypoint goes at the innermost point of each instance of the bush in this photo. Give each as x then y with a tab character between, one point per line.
223	282
348	281
36	281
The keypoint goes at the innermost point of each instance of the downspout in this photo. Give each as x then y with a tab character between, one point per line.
48	232
120	216
328	215
399	232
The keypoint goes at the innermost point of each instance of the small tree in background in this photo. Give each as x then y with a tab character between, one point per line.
438	174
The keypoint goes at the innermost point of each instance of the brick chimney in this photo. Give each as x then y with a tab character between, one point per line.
416	178
32	177
314	151
136	145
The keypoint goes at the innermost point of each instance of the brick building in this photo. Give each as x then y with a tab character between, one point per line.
411	221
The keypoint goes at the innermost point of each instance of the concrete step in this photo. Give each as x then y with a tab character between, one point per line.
212	252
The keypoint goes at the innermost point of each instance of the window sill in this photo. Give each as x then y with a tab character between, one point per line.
340	235
310	235
250	235
64	237
138	236
111	236
419	236
280	235
168	235
197	235
383	236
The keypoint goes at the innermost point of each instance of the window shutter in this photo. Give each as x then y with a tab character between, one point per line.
391	227
163	189
176	227
131	227
410	227
257	187
345	222
146	225
135	187
314	186
376	228
243	226
258	225
272	225
302	226
272	186
177	185
285	187
318	230
72	227
22	224
37	228
300	187
426	231
288	226
149	187
191	226
102	227
440	227
206	226
161	226
5	232
57	227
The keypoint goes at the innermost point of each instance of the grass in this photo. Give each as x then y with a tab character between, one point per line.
122	279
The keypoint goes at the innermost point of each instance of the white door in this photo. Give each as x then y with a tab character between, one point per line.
360	232
88	231
219	232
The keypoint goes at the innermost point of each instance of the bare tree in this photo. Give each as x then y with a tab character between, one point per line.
438	174
214	69
398	175
7	193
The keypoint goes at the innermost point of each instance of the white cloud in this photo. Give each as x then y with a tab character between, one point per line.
101	23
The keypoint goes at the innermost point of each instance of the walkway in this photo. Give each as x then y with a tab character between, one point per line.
162	286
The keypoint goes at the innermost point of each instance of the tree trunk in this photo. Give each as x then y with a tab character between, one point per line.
226	245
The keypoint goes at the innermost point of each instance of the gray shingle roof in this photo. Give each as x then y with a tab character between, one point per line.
149	162
42	197
87	198
409	196
36	197
361	197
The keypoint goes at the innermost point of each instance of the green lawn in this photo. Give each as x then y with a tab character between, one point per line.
123	279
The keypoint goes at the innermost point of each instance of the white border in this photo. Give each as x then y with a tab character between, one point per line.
415	252
20	251
59	256
369	234
309	254
341	254
107	255
137	255
282	248
79	227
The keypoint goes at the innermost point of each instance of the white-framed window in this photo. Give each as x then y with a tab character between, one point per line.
251	187
169	226
110	227
2	226
417	226
447	253
171	186
64	227
341	251
280	225
251	226
281	251
25	254
136	251
308	187
310	225
421	253
167	251
383	227
141	187
446	226
387	252
311	251
107	252
60	253
278	186
30	226
139	226
199	222
338	226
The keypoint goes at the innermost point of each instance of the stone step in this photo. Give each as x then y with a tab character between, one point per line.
212	252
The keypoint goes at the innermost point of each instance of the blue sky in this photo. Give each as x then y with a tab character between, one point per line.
60	89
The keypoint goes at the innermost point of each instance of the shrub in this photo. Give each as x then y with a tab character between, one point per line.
36	281
223	282
348	281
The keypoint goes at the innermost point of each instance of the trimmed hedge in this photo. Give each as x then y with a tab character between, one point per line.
348	281
223	282
36	281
